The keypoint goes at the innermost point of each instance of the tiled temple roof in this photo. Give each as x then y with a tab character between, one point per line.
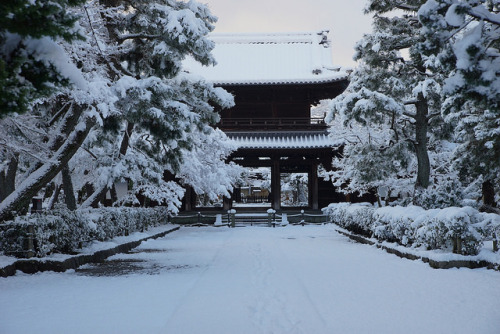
282	140
273	58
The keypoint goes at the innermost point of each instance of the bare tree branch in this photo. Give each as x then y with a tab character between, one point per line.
431	116
60	112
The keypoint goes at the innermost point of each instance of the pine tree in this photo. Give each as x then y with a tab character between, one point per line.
162	110
142	112
395	95
465	37
30	60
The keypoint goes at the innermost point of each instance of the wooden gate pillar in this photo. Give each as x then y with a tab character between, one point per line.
227	203
313	186
189	199
276	184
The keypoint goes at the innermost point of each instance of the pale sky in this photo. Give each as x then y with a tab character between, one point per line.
344	19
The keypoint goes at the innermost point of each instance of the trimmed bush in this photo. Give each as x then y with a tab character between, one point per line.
461	230
357	218
64	231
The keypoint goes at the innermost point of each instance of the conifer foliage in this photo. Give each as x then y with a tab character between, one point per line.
426	96
31	63
160	109
395	95
467	36
129	112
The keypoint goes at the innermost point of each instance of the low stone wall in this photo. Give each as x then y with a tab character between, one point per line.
471	264
37	265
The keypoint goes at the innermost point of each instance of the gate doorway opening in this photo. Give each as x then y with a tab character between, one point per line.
294	189
255	188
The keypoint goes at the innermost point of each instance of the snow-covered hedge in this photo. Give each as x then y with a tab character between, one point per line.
356	218
461	230
64	231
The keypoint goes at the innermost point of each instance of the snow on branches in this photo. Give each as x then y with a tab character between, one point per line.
141	115
466	36
427	75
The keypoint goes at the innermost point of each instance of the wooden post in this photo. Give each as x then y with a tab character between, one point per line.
37	205
187	199
313	187
29	247
227	203
276	184
457	245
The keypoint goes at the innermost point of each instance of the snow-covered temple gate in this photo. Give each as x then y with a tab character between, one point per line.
275	79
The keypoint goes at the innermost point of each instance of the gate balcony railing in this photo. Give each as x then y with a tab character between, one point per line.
272	124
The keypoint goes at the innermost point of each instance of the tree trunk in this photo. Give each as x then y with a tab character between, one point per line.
114	195
18	200
99	193
94	199
55	197
126	139
8	178
488	192
68	123
69	193
424	166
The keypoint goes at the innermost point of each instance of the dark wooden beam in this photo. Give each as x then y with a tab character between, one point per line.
313	187
276	185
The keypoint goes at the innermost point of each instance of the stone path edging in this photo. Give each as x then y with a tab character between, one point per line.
471	264
32	266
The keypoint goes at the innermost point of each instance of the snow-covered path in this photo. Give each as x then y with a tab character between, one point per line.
253	280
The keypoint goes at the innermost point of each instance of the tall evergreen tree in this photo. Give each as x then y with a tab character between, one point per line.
141	110
464	38
161	109
395	95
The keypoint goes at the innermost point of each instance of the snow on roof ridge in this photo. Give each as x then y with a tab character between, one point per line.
270	59
307	37
329	77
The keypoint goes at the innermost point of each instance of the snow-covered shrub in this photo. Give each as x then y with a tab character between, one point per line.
12	238
448	193
336	212
452	228
64	231
60	231
397	223
461	230
489	226
357	218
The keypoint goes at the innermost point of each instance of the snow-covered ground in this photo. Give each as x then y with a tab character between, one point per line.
296	279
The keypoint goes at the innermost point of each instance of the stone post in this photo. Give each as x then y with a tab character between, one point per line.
270	217
232	217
